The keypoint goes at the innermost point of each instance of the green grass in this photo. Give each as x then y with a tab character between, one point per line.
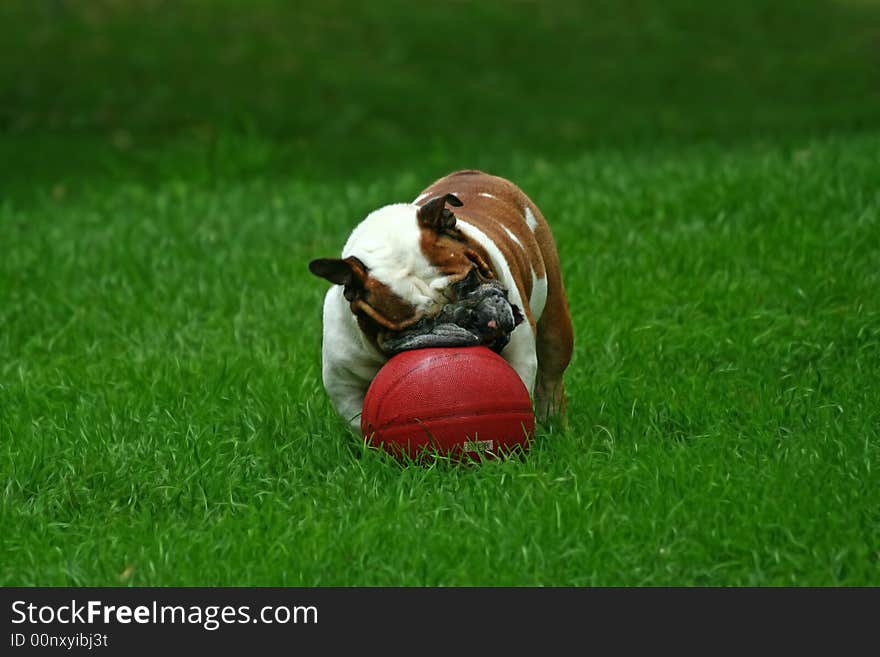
711	178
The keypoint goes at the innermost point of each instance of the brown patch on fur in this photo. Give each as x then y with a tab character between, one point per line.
535	251
384	307
433	213
492	216
378	310
372	301
453	254
444	245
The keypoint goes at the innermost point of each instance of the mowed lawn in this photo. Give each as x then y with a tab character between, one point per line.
162	419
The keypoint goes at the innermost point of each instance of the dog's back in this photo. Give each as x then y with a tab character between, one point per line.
519	243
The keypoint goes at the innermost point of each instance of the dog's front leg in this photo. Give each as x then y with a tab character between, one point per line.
349	361
346	382
520	353
347	399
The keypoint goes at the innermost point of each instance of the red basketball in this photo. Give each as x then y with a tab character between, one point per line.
458	401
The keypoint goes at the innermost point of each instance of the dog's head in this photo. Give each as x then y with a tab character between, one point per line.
400	264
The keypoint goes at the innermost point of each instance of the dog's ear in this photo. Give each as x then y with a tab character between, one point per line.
335	270
435	215
349	272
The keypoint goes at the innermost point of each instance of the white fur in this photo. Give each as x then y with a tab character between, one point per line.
522	355
487	195
520	351
539	295
530	218
349	360
512	236
387	242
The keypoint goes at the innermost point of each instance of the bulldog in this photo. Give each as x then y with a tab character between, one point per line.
470	261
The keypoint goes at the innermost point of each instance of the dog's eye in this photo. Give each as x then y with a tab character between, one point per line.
468	284
455	234
351	293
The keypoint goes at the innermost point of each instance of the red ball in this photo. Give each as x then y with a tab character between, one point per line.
459	401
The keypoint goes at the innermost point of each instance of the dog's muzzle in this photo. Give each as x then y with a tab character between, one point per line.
480	314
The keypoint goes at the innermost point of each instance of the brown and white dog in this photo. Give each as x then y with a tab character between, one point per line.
401	263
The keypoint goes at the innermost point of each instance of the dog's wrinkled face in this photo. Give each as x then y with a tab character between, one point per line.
480	315
400	266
